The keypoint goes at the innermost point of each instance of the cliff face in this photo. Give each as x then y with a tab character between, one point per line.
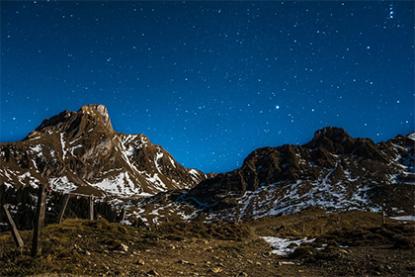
333	171
80	152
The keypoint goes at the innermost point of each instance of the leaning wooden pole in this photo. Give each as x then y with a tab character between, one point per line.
63	207
123	214
15	233
39	221
91	207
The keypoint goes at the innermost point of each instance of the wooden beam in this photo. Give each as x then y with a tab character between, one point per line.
63	207
15	233
39	221
123	214
91	207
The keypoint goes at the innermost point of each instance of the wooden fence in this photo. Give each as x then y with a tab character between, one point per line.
39	220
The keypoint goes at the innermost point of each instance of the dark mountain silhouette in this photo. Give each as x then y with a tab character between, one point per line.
333	171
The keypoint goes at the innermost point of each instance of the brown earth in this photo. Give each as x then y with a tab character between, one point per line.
357	245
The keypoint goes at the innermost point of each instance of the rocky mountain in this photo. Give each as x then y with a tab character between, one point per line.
333	171
81	152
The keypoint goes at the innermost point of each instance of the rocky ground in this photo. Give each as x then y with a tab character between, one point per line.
347	244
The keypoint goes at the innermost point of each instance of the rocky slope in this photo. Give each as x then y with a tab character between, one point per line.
346	244
333	171
80	152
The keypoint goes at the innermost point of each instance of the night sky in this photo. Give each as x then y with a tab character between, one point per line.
211	81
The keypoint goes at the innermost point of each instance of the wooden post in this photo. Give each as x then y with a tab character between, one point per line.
39	221
15	233
91	207
123	214
63	207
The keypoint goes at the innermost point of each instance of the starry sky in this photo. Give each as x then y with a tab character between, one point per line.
211	81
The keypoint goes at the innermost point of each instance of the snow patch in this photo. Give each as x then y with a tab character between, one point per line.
155	180
63	146
121	185
194	174
62	184
37	149
404	218
28	179
172	162
159	155
284	247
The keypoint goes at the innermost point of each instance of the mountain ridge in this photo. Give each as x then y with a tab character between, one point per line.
80	149
81	152
333	171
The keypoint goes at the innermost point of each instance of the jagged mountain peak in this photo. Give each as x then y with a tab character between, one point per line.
99	111
337	141
333	171
334	133
80	151
331	138
88	118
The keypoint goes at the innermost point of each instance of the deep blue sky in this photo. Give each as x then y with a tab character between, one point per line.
211	81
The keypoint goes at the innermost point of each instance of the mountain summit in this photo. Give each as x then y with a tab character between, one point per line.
80	152
334	172
87	118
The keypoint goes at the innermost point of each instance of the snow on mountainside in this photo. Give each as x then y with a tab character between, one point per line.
333	171
80	152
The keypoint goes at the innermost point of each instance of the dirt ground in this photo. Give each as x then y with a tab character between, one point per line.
349	244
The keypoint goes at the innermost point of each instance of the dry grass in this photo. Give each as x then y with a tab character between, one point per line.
97	248
316	222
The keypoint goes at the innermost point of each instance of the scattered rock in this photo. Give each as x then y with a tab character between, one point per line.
343	251
152	273
216	269
123	247
286	263
303	251
183	262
